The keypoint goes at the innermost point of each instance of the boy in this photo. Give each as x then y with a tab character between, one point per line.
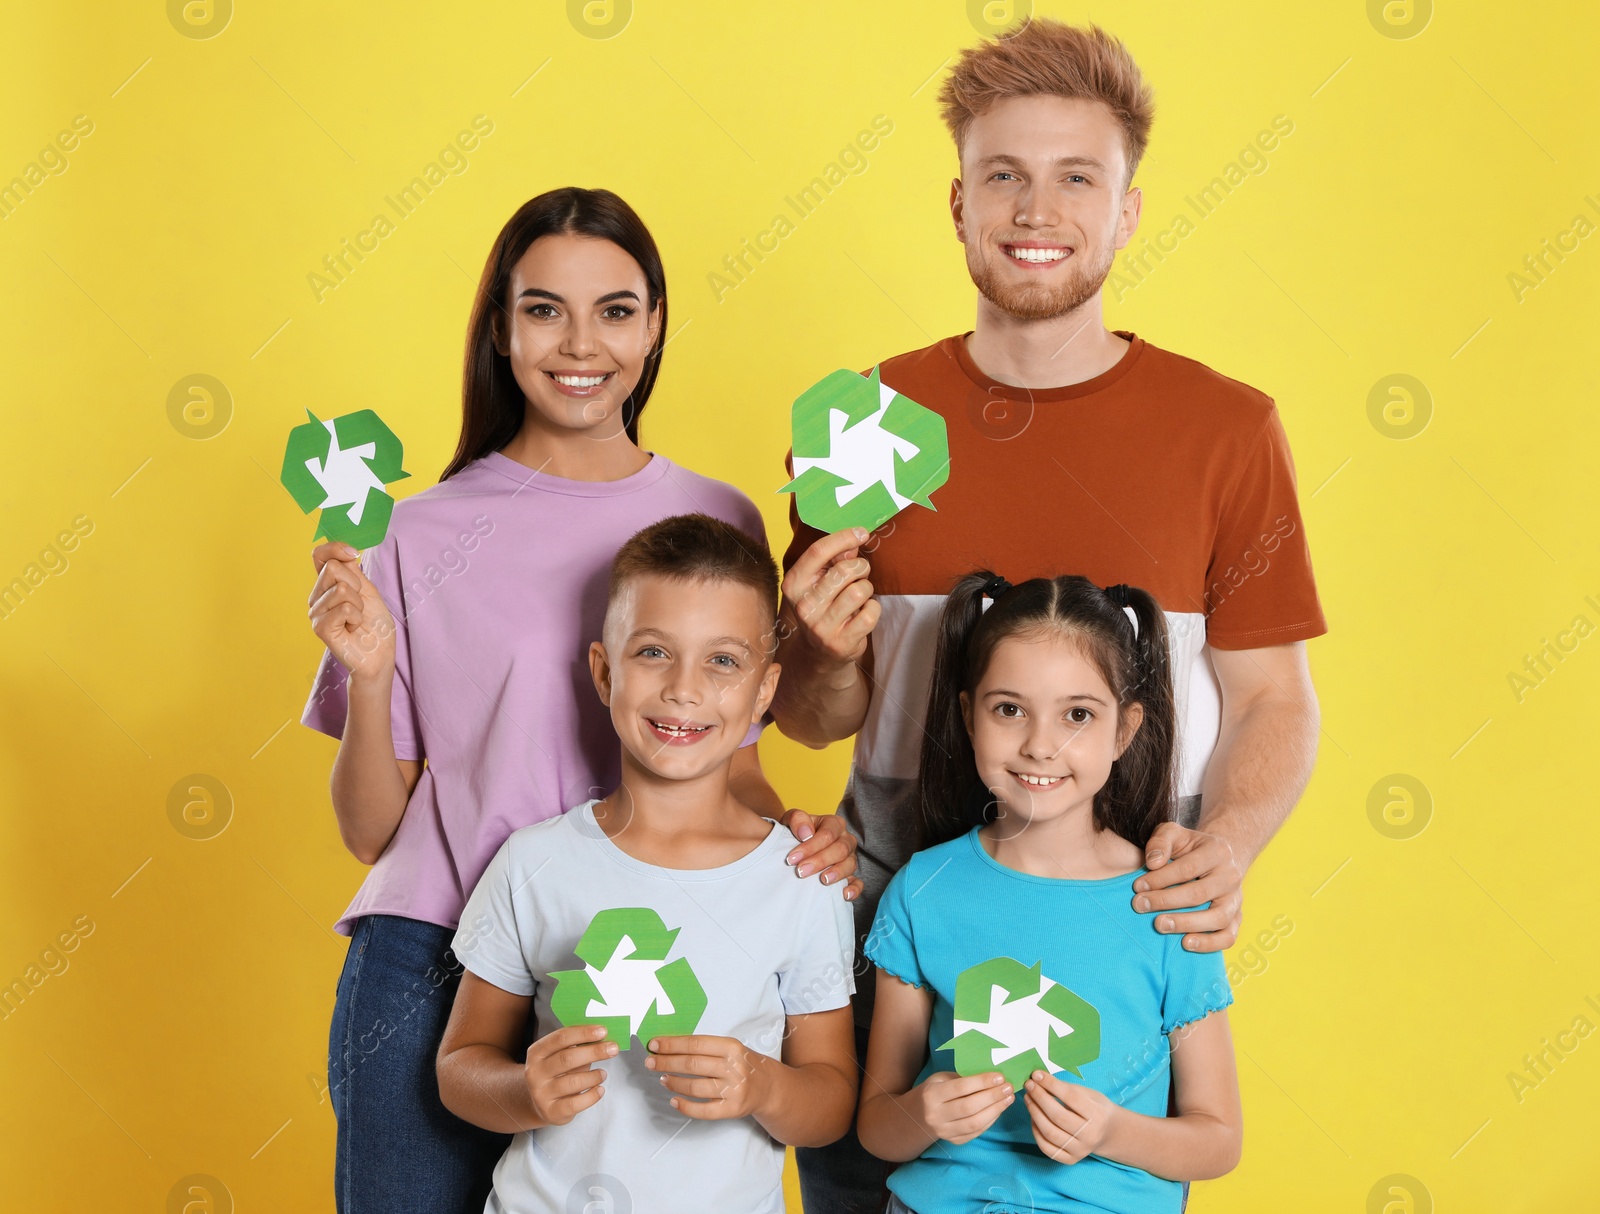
679	898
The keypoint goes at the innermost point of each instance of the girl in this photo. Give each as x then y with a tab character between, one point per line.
1009	952
456	677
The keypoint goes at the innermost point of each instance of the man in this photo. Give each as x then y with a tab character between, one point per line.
1074	449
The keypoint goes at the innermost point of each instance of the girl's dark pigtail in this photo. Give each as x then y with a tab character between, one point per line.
947	777
1138	796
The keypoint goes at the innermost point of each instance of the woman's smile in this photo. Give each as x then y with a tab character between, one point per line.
580	383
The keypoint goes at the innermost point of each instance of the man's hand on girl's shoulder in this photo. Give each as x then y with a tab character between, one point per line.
1192	868
827	848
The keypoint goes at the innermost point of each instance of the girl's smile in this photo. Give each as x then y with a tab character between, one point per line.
1039	782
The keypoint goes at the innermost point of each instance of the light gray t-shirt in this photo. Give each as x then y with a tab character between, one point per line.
762	944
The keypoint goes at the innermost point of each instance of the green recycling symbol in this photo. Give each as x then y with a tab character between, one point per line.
1003	1005
341	467
626	973
863	452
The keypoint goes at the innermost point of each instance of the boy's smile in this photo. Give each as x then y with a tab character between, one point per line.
674	732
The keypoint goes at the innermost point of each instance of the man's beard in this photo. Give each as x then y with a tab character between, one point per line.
1039	301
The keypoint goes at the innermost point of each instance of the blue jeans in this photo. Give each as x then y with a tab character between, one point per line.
398	1148
844	1178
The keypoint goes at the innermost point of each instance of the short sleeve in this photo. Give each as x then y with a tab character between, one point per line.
823	975
327	705
748	518
890	944
1259	586
1196	985
488	941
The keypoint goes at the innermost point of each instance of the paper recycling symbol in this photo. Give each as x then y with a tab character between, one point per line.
1010	1018
341	466
863	452
626	983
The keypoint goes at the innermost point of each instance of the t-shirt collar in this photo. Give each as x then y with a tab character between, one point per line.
956	349
532	478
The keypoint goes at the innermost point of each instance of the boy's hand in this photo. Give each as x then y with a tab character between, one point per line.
827	847
348	614
1070	1121
724	1077
560	1075
958	1108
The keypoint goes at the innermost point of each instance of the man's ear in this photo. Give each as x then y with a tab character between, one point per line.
1130	719
1128	220
600	671
957	203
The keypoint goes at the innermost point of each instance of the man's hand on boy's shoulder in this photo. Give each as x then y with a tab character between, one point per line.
1191	868
827	848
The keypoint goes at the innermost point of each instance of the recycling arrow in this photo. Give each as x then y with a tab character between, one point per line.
626	973
863	452
341	466
1010	1017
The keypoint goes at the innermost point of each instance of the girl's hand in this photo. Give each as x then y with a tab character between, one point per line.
348	614
1070	1121
725	1077
827	849
958	1108
560	1075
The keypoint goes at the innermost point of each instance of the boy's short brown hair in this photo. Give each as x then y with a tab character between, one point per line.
697	547
1050	58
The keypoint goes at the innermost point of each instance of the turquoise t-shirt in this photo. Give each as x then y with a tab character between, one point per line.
953	907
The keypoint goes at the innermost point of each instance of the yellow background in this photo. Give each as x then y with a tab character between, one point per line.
188	1035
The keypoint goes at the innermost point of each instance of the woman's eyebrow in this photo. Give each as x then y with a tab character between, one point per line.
541	293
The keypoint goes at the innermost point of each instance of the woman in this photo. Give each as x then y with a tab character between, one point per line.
456	677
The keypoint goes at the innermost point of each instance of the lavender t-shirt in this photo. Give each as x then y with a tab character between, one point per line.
496	579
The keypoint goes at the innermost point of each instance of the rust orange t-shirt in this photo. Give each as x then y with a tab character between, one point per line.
1159	472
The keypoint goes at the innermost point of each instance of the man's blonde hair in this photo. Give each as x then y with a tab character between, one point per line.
1052	59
